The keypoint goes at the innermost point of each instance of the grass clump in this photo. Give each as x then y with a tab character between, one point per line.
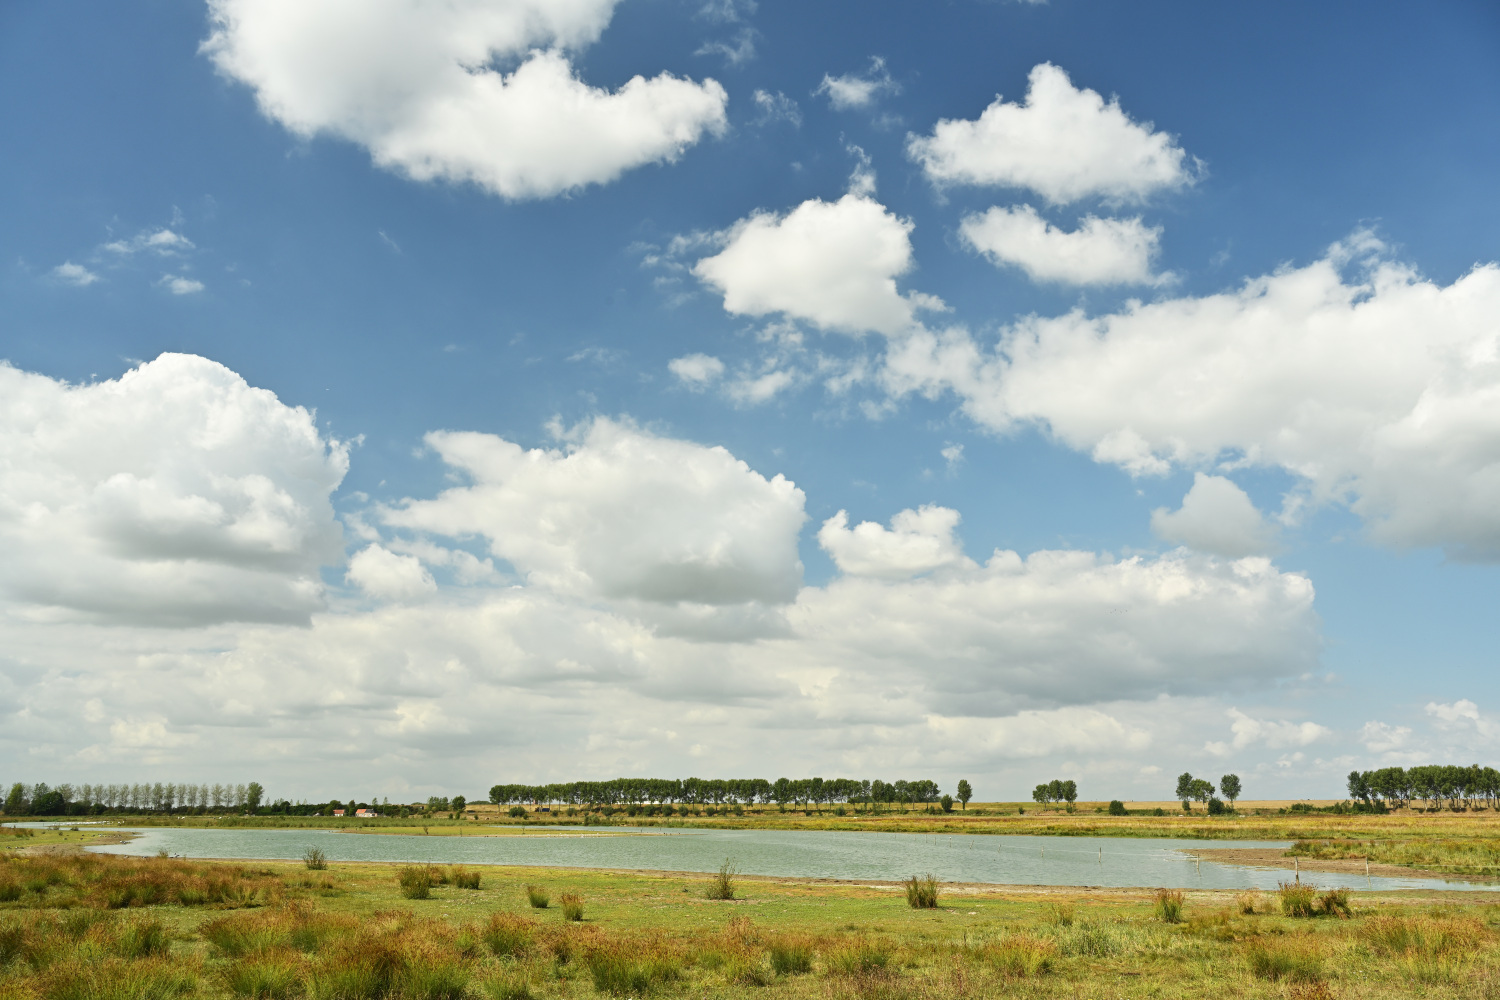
631	968
1019	955
791	955
1058	914
860	955
1292	961
1427	949
721	886
462	878
315	860
572	906
922	893
1169	906
507	985
508	936
1247	902
416	881
538	897
271	978
1298	900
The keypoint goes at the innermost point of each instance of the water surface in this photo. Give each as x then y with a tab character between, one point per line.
998	859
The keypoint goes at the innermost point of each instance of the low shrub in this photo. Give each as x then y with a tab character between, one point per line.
315	860
517	812
721	886
572	906
416	881
508	936
1117	808
1019	955
922	893
1169	906
791	955
538	897
1284	960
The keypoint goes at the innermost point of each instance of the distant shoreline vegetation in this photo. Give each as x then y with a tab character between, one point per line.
796	792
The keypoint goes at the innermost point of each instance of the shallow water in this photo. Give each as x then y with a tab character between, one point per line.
998	859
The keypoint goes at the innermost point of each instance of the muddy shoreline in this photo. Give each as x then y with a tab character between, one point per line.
1260	857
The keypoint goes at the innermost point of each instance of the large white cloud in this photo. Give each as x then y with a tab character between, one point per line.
1055	627
1061	142
1381	390
1216	516
459	90
176	494
918	541
1098	252
622	513
834	264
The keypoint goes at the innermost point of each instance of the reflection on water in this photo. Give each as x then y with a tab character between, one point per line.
1009	860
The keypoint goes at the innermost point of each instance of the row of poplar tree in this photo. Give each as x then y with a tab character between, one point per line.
63	800
1453	785
721	791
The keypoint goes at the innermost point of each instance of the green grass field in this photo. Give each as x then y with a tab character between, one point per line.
107	928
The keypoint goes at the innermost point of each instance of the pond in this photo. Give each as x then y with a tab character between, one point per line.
996	859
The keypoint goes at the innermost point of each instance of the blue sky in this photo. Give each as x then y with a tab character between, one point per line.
1194	302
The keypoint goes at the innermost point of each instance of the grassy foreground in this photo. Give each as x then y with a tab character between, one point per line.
109	928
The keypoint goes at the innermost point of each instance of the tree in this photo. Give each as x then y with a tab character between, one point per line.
459	802
1070	791
947	803
1041	794
1185	786
1202	790
1230	786
965	793
253	793
15	802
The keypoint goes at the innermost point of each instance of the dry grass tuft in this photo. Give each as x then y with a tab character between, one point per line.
922	893
1169	906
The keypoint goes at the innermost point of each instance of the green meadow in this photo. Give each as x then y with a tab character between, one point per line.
85	927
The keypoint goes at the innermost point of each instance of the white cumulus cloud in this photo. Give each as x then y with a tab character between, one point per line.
385	575
621	513
423	86
1380	390
74	274
174	495
1272	734
1061	142
1098	252
1216	516
854	91
697	370
834	264
918	541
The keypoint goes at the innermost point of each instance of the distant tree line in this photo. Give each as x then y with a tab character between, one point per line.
1191	789
1452	785
1055	791
799	792
93	800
